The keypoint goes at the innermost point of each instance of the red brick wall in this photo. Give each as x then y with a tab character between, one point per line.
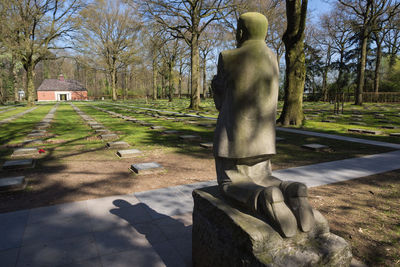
50	95
46	95
81	95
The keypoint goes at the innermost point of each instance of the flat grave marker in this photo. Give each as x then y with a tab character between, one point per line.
354	130
157	127
189	137
146	168
128	153
97	126
108	136
41	126
33	141
207	125
37	134
19	164
207	145
315	147
117	144
25	152
372	132
102	131
389	127
171	132
12	183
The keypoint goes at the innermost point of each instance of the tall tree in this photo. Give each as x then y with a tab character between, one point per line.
109	33
187	19
364	14
296	13
30	29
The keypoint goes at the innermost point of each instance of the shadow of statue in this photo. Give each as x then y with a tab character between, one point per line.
168	236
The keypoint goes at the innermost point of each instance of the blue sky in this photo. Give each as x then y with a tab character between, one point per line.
318	7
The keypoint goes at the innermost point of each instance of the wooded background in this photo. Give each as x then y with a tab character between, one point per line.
165	49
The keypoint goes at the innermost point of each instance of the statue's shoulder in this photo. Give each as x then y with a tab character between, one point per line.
229	53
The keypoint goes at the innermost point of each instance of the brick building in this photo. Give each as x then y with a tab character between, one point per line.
61	90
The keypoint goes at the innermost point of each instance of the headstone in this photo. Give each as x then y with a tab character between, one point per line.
225	236
25	152
316	147
128	153
395	134
189	137
358	123
207	145
19	164
146	168
108	136
330	121
278	139
146	124
117	144
12	183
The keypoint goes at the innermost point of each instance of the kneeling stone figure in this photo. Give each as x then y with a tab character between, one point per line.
246	94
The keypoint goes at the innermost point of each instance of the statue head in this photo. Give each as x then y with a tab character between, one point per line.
251	26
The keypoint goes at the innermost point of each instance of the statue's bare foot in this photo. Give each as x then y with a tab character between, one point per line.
271	203
297	199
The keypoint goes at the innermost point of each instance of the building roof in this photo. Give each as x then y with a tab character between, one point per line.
57	85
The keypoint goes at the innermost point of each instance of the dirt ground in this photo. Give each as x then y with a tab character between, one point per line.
365	211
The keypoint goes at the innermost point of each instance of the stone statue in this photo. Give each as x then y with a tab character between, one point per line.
246	93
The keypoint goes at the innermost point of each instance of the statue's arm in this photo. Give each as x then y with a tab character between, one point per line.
218	85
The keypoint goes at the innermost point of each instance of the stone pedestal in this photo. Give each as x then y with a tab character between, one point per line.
227	236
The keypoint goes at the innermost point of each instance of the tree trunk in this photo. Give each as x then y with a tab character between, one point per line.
204	79
194	64
180	83
170	82
154	79
292	113
325	74
377	65
114	84
30	87
162	85
13	78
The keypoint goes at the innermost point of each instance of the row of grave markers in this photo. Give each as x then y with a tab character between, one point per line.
24	155
15	116
144	168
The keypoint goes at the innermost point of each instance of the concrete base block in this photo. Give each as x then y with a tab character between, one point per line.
226	236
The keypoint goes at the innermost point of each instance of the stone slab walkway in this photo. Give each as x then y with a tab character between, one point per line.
151	228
